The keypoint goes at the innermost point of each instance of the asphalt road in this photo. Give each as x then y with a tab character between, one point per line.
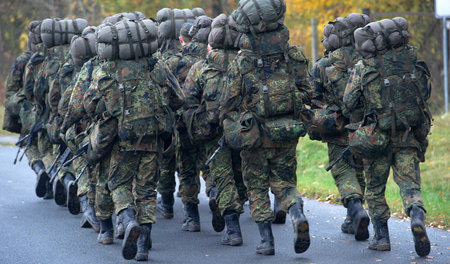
36	231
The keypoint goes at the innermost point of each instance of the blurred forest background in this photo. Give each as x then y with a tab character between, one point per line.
425	29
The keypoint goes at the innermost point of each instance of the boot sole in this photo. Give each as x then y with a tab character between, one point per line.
218	222
233	242
73	202
106	241
129	244
347	229
141	257
302	239
195	228
362	227
280	218
84	223
267	252
94	225
58	192
41	180
421	241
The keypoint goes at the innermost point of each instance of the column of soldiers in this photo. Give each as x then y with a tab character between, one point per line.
108	115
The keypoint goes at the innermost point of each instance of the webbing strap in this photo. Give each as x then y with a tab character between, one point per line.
141	47
88	48
173	26
130	38
250	26
53	32
227	39
115	37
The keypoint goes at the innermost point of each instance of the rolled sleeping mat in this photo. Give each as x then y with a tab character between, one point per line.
82	48
171	20
224	34
57	32
200	29
35	28
129	15
258	16
127	40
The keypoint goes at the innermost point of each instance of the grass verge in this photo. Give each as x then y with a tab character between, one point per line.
314	182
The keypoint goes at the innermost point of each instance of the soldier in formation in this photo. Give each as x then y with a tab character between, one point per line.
107	115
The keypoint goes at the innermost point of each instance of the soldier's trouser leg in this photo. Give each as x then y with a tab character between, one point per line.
345	177
33	154
405	164
46	149
202	156
104	206
83	183
238	178
140	169
166	184
273	168
221	169
188	172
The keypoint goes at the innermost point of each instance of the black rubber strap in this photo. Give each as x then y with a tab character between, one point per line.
115	37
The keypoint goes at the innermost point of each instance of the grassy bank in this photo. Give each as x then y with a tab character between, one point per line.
314	182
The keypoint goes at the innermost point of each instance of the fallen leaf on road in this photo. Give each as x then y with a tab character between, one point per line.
378	260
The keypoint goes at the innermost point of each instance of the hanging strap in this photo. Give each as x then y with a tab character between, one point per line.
115	37
130	38
141	47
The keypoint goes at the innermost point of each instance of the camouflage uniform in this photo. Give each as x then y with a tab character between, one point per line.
349	181
27	114
274	164
134	167
189	155
401	155
228	182
14	94
170	54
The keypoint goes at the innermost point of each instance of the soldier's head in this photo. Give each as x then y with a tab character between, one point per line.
184	34
224	34
200	29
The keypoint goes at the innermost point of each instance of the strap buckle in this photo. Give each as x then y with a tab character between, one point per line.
386	82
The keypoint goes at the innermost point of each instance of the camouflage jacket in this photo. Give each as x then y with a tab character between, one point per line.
66	75
75	109
191	53
354	97
171	53
31	71
46	76
15	79
317	77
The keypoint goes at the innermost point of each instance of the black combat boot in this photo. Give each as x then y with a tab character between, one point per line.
105	236
301	228
120	230
132	232
360	219
88	219
42	178
192	219
347	226
233	236
266	247
144	243
49	191
165	205
218	222
380	240
59	192
278	213
421	241
72	200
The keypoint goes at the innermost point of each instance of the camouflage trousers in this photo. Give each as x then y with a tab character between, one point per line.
104	206
86	183
33	154
189	163
274	169
406	171
349	181
225	172
132	180
47	150
166	183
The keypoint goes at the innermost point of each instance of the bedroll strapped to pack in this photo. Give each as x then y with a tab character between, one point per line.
224	34
82	48
57	32
340	32
35	29
171	20
379	36
258	16
127	40
126	15
200	29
